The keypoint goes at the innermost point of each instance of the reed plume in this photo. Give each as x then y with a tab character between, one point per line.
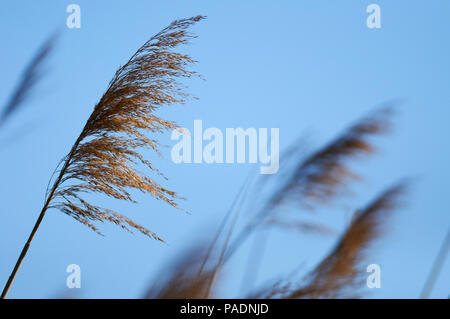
326	173
321	176
104	156
30	77
341	273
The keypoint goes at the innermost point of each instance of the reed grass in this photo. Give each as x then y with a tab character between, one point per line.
103	159
341	274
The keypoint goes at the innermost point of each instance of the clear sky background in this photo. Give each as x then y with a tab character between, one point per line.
301	66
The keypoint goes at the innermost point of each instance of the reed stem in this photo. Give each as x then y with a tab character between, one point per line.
23	253
39	220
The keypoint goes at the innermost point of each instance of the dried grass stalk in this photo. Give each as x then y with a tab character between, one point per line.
103	158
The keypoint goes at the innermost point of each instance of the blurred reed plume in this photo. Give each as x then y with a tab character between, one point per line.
30	77
103	158
180	279
342	273
312	180
325	174
320	177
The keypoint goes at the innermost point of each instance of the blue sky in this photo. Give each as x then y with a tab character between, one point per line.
301	66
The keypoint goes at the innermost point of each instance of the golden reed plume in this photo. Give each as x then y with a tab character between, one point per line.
103	157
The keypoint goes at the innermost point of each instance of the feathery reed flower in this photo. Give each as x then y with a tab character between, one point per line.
103	157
